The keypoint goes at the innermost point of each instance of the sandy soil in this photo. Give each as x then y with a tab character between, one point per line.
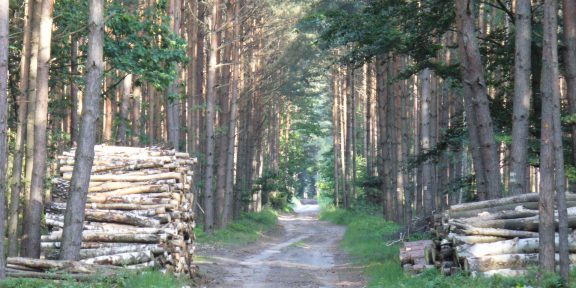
304	252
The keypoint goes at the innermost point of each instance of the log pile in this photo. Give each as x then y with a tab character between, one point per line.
139	211
496	236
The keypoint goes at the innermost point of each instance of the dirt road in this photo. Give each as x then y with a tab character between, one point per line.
304	253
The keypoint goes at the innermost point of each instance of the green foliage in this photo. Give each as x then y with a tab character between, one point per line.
248	229
124	279
143	46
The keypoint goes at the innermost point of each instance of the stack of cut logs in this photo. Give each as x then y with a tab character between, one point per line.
18	267
496	236
139	211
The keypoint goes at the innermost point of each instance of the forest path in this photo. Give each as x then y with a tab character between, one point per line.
304	252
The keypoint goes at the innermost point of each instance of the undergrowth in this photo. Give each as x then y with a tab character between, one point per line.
124	279
249	228
366	239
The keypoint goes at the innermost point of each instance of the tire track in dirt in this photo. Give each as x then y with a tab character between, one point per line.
304	253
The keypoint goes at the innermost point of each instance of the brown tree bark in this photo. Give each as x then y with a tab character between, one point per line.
33	222
74	90
210	114
16	187
172	102
4	44
569	37
74	216
522	98
549	90
32	85
475	96
121	137
425	142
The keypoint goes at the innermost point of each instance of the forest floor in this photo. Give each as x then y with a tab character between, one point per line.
302	252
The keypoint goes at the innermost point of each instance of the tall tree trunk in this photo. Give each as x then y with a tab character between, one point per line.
192	71
173	96
235	94
426	95
475	96
136	116
34	218
32	87
16	188
74	215
522	95
4	20
210	114
121	138
549	90
74	90
569	8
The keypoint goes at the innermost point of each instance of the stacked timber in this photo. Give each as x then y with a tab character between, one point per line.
139	210
497	236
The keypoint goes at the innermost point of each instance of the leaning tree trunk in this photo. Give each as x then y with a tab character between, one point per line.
40	137
74	217
475	94
549	90
3	125
522	95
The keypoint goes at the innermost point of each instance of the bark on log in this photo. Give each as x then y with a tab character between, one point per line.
120	217
505	261
122	178
68	266
95	236
456	214
514	246
471	230
122	259
474	239
530	197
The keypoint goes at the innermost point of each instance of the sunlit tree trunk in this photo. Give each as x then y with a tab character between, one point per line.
210	114
4	20
34	218
16	188
522	98
32	85
121	137
172	102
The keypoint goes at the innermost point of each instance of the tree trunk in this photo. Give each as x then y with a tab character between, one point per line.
475	96
425	142
19	147
236	71
74	216
121	138
32	87
522	95
210	114
549	90
173	96
74	90
40	137
4	43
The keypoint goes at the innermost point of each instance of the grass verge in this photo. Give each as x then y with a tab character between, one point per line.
124	279
248	229
365	241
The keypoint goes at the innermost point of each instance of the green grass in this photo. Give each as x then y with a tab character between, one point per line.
124	279
248	229
365	240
